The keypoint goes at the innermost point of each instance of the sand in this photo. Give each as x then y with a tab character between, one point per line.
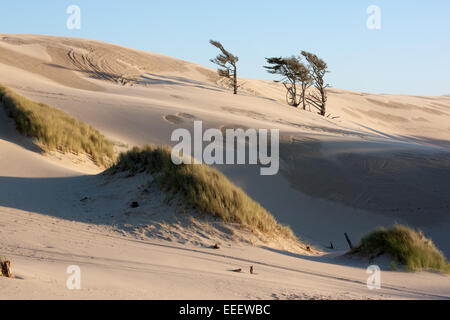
384	159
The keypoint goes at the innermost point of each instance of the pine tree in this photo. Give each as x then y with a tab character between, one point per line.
227	64
294	73
319	69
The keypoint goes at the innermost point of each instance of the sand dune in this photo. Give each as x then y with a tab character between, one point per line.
385	158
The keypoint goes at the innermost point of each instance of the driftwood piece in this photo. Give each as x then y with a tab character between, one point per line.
134	205
6	269
348	241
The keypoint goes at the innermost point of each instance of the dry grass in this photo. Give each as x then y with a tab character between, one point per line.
53	129
203	187
405	246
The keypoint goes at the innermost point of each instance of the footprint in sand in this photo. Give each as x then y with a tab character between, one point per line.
173	119
224	128
179	118
187	116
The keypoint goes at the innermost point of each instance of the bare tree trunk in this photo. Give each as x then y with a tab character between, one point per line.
294	92
324	102
348	241
235	80
304	97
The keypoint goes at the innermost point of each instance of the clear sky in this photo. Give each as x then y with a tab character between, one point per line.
409	54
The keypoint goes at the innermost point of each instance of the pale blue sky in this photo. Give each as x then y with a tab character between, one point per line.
408	55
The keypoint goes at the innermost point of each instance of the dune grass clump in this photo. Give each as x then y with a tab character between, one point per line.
205	188
53	129
405	246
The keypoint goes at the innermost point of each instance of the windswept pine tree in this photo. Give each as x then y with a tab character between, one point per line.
294	73
319	69
227	63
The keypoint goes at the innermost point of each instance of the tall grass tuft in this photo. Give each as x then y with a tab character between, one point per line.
203	187
53	129
405	246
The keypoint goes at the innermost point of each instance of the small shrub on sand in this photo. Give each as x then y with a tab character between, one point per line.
405	246
205	188
53	129
5	268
